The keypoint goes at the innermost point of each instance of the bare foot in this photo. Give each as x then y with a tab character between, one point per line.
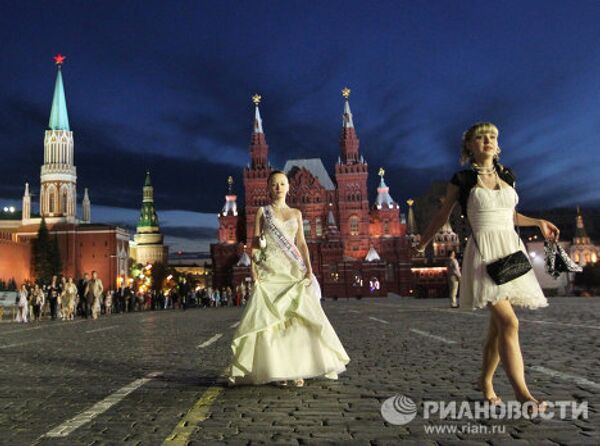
281	383
488	392
299	382
535	407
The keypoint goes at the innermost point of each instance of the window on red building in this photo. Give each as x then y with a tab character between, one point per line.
319	227
354	225
306	225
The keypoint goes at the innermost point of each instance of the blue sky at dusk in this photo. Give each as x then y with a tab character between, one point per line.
167	86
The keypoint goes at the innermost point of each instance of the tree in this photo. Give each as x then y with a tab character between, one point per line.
46	255
159	273
41	245
54	257
12	285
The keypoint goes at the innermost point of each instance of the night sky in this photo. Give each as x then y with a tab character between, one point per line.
167	86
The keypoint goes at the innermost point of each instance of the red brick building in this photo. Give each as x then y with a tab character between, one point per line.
357	248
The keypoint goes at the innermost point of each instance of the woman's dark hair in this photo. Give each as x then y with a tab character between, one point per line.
273	173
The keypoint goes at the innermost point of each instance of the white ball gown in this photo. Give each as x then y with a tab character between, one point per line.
284	333
491	216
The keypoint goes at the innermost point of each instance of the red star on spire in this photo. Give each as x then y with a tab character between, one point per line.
59	59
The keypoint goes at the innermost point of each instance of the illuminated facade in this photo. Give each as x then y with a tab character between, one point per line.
148	245
582	250
357	249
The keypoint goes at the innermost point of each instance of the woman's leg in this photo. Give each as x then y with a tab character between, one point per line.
509	348
491	359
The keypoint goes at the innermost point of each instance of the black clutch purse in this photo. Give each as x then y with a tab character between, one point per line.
508	268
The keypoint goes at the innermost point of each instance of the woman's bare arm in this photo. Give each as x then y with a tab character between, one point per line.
255	244
549	230
301	243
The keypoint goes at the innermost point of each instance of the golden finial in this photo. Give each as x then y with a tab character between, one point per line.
410	201
346	92
381	172
256	99
230	180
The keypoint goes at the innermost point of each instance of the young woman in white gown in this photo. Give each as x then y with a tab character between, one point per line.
22	304
487	192
284	333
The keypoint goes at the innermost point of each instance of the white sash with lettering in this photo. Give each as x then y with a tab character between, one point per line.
287	246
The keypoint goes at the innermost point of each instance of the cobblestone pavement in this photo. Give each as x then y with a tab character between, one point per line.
155	378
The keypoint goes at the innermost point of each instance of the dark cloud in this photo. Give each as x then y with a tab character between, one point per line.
170	92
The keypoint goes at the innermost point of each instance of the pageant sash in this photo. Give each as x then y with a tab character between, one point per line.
287	246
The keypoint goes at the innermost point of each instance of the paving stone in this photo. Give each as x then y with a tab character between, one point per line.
66	371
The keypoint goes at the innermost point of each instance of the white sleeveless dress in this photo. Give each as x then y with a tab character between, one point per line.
491	215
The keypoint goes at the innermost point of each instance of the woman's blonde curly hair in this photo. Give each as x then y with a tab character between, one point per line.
465	154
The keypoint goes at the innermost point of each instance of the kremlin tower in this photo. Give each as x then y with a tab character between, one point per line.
385	213
583	251
148	246
257	172
83	247
229	218
351	174
58	186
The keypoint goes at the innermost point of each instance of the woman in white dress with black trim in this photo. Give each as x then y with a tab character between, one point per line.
488	199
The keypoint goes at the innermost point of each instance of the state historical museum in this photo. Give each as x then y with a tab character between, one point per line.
356	248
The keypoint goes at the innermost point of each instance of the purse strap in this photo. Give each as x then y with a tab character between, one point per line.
515	218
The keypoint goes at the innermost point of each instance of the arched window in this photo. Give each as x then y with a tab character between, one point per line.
63	203
354	225
386	227
306	227
51	201
318	227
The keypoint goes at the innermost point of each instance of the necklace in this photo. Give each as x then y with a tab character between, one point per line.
496	177
279	207
484	170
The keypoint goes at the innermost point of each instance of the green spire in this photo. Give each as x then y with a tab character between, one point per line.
59	119
148	217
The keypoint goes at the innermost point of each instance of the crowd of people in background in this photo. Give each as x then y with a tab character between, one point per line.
64	299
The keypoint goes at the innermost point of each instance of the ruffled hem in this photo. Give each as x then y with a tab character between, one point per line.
248	371
250	380
530	302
